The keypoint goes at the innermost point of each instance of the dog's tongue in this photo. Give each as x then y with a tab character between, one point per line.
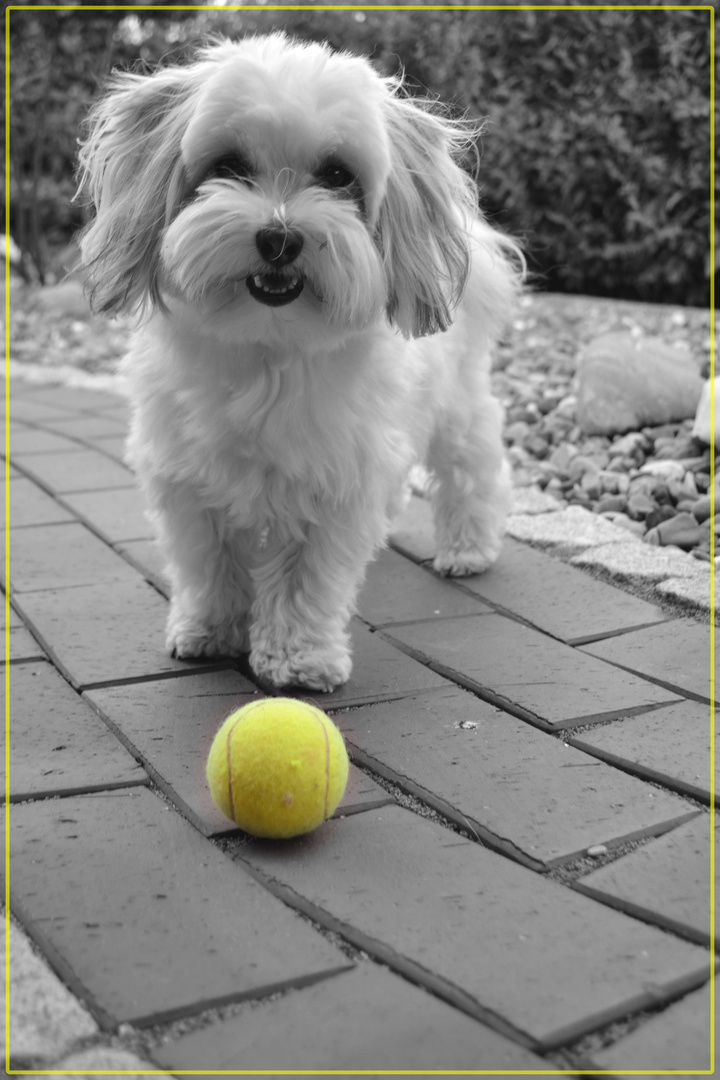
274	289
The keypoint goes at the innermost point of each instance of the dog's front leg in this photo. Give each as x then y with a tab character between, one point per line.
211	591
304	597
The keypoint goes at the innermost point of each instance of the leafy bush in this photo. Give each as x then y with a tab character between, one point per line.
596	152
598	148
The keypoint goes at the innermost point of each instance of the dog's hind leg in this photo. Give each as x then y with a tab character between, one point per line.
471	488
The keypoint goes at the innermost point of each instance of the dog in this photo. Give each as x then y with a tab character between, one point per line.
318	296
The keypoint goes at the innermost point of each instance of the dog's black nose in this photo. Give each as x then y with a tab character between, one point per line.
279	246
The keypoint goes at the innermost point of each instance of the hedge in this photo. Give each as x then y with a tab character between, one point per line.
596	151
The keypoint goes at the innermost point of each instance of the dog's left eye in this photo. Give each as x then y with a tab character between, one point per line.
229	167
335	175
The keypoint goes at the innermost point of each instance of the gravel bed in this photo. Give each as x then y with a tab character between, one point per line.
654	482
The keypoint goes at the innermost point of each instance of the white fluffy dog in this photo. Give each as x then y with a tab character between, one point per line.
298	235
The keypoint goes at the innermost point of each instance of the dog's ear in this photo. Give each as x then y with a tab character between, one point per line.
131	167
425	217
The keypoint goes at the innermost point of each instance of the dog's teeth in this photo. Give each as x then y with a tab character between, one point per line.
258	282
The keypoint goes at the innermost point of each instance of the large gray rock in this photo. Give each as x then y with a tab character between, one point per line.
626	383
708	411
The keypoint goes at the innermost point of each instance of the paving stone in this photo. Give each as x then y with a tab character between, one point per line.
62	556
413	532
393	1025
120	408
30	505
171	723
37	441
146	557
380	672
81	470
23	646
396	590
13	619
88	427
679	1038
527	672
105	1060
34	412
103	633
568	530
557	598
676	654
477	928
112	445
77	400
45	1019
666	881
118	516
57	743
519	789
670	746
146	918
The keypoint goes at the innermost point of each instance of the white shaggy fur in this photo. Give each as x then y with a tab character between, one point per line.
273	440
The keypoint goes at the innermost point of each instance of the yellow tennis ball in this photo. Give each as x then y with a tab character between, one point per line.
278	767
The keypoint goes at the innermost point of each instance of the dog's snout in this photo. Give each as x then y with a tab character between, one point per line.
279	246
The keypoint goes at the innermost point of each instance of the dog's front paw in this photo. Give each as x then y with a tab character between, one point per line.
189	639
459	562
313	667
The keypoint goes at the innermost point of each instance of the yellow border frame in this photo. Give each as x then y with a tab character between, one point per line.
456	8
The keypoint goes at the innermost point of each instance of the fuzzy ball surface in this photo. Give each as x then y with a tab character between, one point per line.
278	767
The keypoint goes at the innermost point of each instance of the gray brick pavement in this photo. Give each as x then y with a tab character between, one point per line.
450	931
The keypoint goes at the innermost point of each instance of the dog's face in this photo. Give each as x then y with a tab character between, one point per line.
285	162
277	188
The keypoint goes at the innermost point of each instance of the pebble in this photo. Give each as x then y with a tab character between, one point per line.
658	515
668	469
637	528
681	529
702	508
639	505
611	504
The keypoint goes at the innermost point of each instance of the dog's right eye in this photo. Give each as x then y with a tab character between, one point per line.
229	167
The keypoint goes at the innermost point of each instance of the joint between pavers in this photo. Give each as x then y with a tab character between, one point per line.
476	688
194	1008
648	832
644	914
643	772
615	714
77	789
423	619
680	692
59	964
477	832
590	638
156	676
401	965
651	998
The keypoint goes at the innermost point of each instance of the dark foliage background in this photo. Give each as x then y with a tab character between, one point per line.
596	152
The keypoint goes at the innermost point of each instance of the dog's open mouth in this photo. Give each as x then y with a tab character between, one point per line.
275	289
